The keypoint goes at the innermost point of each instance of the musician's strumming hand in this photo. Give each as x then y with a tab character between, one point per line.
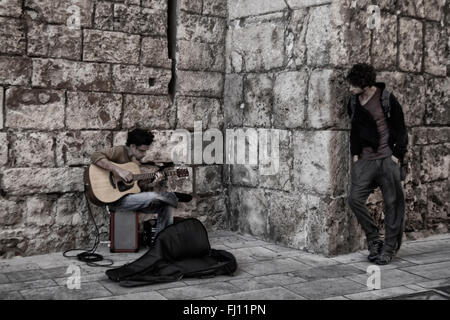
126	175
159	176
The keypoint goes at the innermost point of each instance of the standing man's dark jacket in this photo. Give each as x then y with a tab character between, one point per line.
364	128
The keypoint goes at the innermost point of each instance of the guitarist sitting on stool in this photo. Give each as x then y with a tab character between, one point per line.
161	203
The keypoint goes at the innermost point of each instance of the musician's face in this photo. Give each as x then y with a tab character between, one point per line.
139	151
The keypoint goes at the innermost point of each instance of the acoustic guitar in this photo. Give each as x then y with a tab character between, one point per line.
104	186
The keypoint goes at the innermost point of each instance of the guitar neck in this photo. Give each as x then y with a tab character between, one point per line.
150	175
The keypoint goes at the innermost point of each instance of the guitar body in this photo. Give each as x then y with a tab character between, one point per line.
105	187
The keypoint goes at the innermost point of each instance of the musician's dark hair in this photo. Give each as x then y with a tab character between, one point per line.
362	75
139	137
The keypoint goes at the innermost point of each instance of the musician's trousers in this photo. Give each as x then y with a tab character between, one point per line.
161	203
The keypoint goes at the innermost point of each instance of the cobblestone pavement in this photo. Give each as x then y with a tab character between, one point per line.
266	271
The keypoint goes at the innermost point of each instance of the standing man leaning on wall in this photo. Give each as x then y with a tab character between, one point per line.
378	143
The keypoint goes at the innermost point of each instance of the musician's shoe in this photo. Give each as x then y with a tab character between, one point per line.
375	248
183	197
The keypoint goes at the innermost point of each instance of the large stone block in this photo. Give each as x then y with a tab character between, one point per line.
201	56
411	45
384	43
289	101
277	172
245	175
258	95
75	148
244	8
12	36
11	212
197	83
255	46
197	28
155	52
430	9
74	13
42	180
410	93
3	148
436	162
149	112
208	179
287	218
212	212
56	73
2	94
437	101
56	41
104	15
233	100
107	46
139	79
327	99
436	55
39	210
34	108
136	19
215	7
412	8
70	208
194	6
12	8
438	203
318	36
91	110
321	162
15	71
192	109
32	149
249	210
154	4
295	40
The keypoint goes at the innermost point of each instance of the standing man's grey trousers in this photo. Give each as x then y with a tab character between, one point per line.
366	175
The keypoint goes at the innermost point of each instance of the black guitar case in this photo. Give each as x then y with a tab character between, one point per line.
181	250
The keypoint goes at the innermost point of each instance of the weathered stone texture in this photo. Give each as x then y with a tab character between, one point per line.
42	180
155	52
255	47
111	47
436	53
201	28
384	44
437	101
65	11
411	45
15	70
201	56
196	83
148	111
215	7
244	8
258	97
208	179
11	8
93	110
34	108
58	73
137	79
54	41
12	36
35	149
3	148
289	104
208	111
75	148
136	19
104	15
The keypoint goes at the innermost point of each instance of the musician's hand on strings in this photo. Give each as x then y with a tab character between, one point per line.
125	175
159	176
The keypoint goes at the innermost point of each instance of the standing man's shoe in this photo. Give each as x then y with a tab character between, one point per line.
384	258
375	248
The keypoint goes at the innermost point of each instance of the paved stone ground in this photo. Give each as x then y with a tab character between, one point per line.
266	271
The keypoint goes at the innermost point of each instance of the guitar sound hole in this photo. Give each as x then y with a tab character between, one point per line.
123	186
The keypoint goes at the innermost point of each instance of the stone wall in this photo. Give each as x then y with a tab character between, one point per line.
75	76
286	62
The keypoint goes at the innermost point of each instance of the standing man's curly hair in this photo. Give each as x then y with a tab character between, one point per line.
362	75
139	137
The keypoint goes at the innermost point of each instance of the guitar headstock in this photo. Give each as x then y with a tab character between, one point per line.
182	173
